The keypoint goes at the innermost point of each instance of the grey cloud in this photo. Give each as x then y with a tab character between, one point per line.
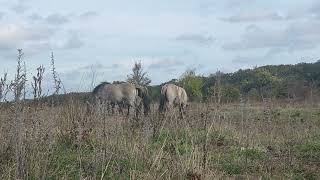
73	42
18	36
271	56
100	67
7	54
254	17
38	33
33	48
81	78
236	3
2	14
115	66
14	34
196	38
165	64
95	66
19	8
297	36
196	67
315	9
35	17
89	14
246	60
57	19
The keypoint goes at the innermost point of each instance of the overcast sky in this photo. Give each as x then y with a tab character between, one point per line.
167	36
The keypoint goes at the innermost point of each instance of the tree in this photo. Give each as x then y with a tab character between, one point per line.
138	76
230	93
192	84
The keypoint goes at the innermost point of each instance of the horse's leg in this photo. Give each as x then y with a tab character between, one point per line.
138	109
108	107
181	110
120	105
166	108
128	110
102	106
137	112
112	107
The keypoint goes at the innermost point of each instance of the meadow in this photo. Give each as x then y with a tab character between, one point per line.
268	140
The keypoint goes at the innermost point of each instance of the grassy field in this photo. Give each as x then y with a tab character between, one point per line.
239	141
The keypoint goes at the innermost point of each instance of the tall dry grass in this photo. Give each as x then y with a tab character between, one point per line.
72	141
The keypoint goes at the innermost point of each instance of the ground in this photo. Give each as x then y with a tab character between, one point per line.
232	141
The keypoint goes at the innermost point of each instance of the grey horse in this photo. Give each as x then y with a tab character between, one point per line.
173	96
124	95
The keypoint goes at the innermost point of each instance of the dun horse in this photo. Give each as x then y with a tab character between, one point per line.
172	95
124	95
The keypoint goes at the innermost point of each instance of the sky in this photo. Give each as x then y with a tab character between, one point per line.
95	41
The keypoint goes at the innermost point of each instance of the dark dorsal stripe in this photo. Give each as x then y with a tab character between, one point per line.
97	88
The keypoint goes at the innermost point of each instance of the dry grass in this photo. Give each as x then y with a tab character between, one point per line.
229	142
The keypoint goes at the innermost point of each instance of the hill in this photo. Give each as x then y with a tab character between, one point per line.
296	82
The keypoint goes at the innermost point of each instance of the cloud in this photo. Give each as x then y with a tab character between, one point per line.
165	64
115	66
81	78
100	67
199	39
57	19
13	36
272	56
2	14
257	16
296	36
246	60
315	10
35	17
19	8
237	3
73	42
88	14
34	48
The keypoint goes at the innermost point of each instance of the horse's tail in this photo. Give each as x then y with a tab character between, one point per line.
163	99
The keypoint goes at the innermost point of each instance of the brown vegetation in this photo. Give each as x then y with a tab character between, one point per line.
71	142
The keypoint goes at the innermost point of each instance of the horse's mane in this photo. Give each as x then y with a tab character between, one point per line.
96	89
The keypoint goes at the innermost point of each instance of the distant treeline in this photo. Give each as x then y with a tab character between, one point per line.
298	82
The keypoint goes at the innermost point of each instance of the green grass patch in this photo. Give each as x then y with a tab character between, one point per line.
252	154
231	168
64	159
310	150
174	143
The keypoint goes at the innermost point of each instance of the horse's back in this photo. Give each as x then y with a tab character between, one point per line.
173	92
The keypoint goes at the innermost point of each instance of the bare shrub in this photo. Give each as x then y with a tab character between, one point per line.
56	79
4	87
37	83
18	86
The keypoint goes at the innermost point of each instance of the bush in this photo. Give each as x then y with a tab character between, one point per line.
193	85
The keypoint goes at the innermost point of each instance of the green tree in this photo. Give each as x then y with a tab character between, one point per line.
230	94
192	84
253	95
138	76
